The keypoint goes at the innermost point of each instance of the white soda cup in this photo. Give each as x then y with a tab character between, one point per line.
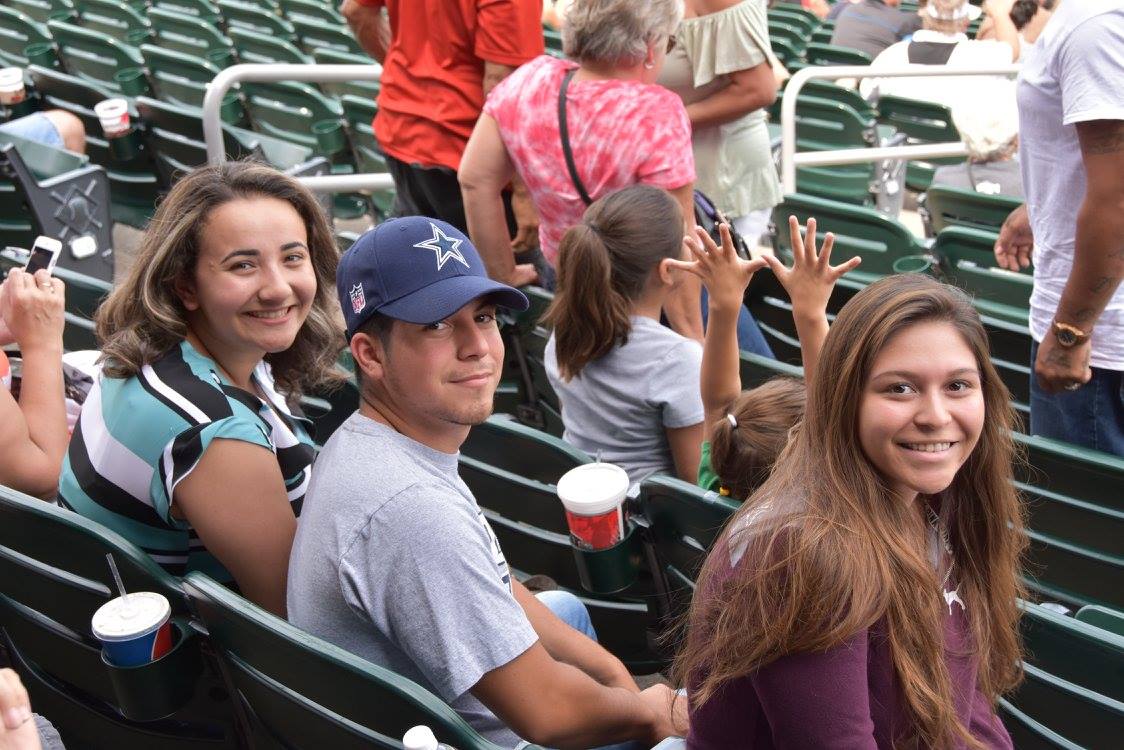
114	117
11	86
593	496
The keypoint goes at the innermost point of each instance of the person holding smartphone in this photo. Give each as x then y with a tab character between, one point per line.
33	433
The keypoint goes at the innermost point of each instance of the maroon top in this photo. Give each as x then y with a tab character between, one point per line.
846	697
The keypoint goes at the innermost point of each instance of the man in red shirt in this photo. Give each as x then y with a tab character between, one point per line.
440	59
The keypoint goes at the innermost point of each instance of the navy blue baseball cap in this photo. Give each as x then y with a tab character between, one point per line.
415	269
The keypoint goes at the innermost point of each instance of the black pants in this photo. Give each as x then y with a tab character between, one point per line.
427	191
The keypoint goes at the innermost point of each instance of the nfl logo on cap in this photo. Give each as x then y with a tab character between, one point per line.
358	301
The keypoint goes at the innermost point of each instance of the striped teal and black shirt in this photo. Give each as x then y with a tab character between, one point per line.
137	438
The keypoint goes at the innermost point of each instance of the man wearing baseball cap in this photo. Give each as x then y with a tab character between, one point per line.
393	559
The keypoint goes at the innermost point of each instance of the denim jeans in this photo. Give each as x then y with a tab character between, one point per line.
570	610
750	338
1091	416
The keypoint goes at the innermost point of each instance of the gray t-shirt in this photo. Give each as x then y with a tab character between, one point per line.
394	561
622	404
1074	73
871	26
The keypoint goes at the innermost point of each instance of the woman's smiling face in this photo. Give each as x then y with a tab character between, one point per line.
922	409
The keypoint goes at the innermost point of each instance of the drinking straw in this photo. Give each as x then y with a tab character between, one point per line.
116	574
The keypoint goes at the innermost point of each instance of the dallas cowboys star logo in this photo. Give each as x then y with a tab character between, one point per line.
445	247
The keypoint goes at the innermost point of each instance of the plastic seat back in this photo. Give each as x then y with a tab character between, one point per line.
253	47
830	54
313	34
827	124
177	78
112	17
189	35
922	122
963	257
294	9
44	10
55	573
204	10
368	90
18	30
1109	620
93	56
1075	651
794	15
949	206
253	18
288	110
301	691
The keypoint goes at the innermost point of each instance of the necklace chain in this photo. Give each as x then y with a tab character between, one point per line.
942	534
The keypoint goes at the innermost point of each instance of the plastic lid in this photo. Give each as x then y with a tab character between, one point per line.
593	489
419	738
11	79
111	107
130	616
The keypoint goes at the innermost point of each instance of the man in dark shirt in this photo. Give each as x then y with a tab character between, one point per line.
873	25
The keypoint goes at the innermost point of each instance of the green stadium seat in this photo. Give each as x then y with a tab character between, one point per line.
824	33
849	97
785	51
794	16
1074	651
112	17
359	112
1073	471
552	40
1062	571
1075	713
53	564
83	295
1028	734
300	691
527	518
253	18
525	339
506	444
922	122
18	30
1109	620
948	206
795	36
44	10
189	35
204	10
881	242
295	9
755	369
182	79
253	47
133	184
830	54
685	521
313	35
364	89
965	259
94	56
288	110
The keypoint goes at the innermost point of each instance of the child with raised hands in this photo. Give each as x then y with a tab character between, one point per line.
746	430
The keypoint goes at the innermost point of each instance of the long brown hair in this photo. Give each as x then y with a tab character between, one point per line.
832	553
742	455
603	264
143	317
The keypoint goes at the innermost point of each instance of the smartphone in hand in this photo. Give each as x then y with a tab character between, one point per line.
44	254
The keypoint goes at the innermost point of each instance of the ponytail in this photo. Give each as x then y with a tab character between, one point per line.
603	265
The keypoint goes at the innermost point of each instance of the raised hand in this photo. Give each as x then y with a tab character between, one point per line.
724	274
812	277
31	307
17	729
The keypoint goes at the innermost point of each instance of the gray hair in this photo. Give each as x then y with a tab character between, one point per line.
617	32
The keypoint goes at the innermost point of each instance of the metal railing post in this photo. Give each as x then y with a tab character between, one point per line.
790	159
216	90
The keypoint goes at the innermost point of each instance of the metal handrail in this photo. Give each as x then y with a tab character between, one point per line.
790	159
269	73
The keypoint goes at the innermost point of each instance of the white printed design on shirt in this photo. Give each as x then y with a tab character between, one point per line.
497	553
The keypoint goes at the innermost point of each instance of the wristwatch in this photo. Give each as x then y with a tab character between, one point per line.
1069	336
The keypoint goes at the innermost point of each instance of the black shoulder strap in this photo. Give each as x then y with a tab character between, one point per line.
562	131
929	53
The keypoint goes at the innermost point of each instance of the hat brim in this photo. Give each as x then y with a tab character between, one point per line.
442	298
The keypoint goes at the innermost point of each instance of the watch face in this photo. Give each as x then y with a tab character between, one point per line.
1066	338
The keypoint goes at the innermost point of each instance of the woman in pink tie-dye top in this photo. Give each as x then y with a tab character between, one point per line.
623	130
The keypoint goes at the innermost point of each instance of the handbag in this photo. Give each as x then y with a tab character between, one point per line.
707	214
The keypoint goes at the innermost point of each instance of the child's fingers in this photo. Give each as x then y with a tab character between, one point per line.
706	241
755	265
727	240
825	251
690	266
797	242
694	249
775	264
847	267
810	240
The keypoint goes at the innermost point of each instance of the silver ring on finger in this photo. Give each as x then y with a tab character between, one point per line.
1073	386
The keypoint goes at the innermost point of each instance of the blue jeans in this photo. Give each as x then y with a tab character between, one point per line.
570	610
1092	416
750	338
35	127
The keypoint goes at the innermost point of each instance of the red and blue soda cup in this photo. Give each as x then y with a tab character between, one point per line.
593	496
134	629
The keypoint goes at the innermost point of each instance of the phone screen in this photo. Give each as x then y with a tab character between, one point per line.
40	259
